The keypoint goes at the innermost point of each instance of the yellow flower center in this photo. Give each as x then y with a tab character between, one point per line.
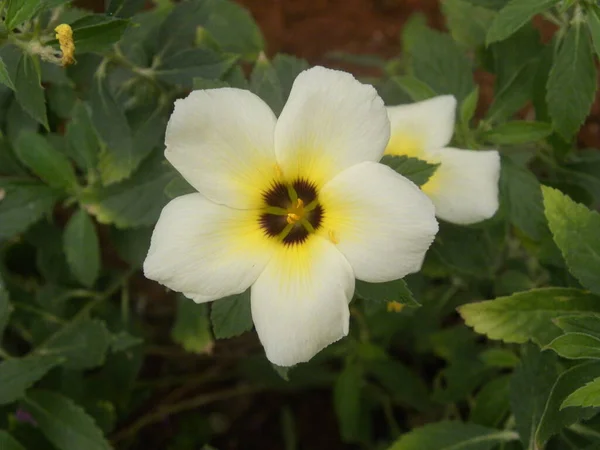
295	213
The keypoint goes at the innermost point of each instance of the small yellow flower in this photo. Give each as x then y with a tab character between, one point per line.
64	34
395	307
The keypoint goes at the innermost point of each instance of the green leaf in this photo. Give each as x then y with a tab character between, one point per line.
572	83
64	423
593	23
555	418
45	161
83	344
288	68
391	291
182	67
20	11
192	327
415	88
5	307
576	346
441	64
124	8
178	187
468	107
514	15
527	315
231	316
5	76
530	387
575	230
203	83
7	442
468	23
416	170
132	245
82	248
346	401
29	90
522	199
453	436
21	205
135	202
234	29
97	32
511	133
491	403
116	159
586	396
265	83
19	374
122	341
499	357
82	141
580	323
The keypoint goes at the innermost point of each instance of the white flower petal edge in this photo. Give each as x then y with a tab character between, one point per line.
464	188
300	302
330	122
422	126
382	222
205	250
221	141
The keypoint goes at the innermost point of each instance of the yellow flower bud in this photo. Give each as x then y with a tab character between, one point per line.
64	34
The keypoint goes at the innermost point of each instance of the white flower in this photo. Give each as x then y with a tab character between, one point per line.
464	188
295	207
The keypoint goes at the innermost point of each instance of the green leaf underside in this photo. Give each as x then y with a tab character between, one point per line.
231	316
192	326
416	170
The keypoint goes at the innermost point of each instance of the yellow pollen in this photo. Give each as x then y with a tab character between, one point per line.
64	34
296	212
395	307
332	237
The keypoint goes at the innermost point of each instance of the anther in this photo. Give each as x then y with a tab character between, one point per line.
292	218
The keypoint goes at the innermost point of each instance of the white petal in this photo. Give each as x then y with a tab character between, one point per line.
422	126
380	220
221	141
300	301
206	251
464	188
330	122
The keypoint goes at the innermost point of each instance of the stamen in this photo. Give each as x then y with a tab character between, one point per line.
292	218
299	204
332	237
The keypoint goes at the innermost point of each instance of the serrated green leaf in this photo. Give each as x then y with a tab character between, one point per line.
82	141
231	316
82	248
439	63
576	346
416	170
468	23
82	344
192	327
19	374
585	397
453	436
135	202
7	442
22	205
97	32
391	291
593	23
571	85
580	323
19	11
182	67
521	196
124	8
347	401
29	90
414	88
530	388
514	15
64	423
575	230
518	132
116	158
45	161
288	68
555	418
527	315
5	76
265	83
